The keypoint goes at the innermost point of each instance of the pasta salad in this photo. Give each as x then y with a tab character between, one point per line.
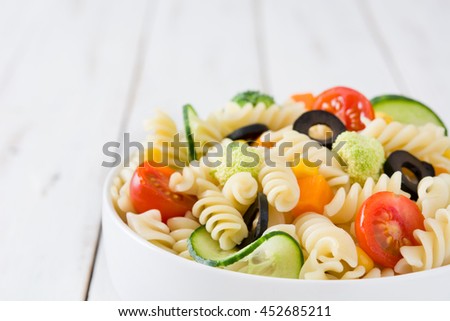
333	186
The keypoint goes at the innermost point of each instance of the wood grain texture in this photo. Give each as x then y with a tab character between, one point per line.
102	287
198	52
314	45
414	38
65	76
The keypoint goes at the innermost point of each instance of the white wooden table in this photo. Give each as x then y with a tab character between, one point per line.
76	74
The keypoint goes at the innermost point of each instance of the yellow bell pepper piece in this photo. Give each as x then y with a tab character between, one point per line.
447	153
364	259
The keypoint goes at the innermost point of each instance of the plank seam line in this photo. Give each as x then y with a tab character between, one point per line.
142	49
260	45
383	46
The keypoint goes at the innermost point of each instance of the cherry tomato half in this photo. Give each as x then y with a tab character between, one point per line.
149	189
385	223
347	104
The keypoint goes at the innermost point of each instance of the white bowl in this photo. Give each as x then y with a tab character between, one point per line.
142	271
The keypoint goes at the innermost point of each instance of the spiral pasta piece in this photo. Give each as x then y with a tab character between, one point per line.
286	228
330	243
280	186
428	142
120	190
163	132
241	189
274	136
434	248
181	229
379	273
434	193
186	181
150	227
335	176
353	273
277	217
233	116
344	206
221	219
314	269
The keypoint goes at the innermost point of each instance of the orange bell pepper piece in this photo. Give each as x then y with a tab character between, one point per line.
307	98
302	170
315	193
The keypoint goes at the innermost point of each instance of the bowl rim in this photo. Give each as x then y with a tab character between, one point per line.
112	213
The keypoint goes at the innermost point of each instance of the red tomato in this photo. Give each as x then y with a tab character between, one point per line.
347	104
149	189
385	223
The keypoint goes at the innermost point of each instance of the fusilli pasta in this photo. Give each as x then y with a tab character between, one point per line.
280	186
221	219
344	206
150	227
163	131
434	193
379	273
434	248
428	142
331	243
181	229
287	228
186	181
233	116
313	269
120	190
241	189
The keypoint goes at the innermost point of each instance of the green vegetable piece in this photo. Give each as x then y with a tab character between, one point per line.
253	97
238	157
364	156
190	118
406	110
274	254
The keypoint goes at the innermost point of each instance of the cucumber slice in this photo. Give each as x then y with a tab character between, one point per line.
406	110
190	118
274	254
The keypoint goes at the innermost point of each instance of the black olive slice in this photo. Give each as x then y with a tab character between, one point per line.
250	132
400	160
320	117
261	206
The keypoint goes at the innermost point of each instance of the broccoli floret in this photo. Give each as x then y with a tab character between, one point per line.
238	157
253	97
363	156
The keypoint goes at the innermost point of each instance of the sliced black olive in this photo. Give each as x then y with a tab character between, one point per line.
320	117
261	206
401	160
250	132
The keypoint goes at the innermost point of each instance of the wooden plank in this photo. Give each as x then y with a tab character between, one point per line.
199	52
414	37
314	45
102	288
66	68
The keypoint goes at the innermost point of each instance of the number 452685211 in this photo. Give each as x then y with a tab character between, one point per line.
295	311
